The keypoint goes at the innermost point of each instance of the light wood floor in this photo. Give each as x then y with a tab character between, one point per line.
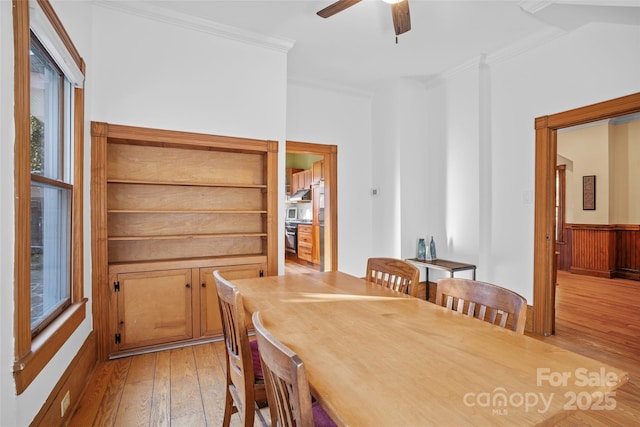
600	318
291	267
185	387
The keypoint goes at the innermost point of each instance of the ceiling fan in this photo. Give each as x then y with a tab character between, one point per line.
399	12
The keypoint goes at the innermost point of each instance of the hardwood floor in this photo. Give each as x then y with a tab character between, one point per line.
291	267
600	318
185	387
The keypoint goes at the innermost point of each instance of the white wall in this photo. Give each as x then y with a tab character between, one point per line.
164	75
343	118
8	401
401	170
568	72
20	410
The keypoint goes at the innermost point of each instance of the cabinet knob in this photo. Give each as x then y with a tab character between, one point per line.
188	285
204	285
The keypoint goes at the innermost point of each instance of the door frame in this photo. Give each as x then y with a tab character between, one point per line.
330	153
544	224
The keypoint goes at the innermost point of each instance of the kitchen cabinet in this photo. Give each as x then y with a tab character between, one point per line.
305	242
303	179
170	207
317	201
308	178
299	180
291	186
317	172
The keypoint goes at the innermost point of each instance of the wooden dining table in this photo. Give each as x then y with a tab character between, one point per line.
375	357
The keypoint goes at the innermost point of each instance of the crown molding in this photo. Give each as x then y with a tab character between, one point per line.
535	6
153	11
330	86
502	55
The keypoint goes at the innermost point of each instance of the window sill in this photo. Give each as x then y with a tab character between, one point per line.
46	345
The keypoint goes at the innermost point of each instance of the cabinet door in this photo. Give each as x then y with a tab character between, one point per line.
308	178
305	242
211	324
288	181
318	172
153	307
298	181
291	183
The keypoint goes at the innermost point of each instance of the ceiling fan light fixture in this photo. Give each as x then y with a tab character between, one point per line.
399	12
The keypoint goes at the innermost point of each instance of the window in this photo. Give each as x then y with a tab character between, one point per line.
51	188
49	102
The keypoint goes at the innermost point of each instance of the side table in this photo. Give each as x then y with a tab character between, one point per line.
441	264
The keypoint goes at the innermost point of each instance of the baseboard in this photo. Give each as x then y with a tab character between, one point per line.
607	274
73	380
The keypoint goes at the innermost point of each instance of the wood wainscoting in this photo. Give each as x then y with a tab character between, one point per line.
602	250
72	382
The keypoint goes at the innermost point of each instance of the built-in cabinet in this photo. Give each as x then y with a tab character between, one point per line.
305	242
173	207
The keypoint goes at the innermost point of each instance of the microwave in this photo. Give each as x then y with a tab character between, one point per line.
292	213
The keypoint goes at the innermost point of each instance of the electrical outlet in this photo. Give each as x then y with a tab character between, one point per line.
64	404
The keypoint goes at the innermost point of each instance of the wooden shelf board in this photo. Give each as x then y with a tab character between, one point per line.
200	262
185	184
185	211
186	236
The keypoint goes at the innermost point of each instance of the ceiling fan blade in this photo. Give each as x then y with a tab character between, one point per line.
401	17
336	7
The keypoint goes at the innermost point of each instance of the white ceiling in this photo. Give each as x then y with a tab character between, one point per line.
357	47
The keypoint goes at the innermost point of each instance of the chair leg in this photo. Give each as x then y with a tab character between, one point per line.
228	409
248	414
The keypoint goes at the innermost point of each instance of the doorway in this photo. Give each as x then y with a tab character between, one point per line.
544	268
328	231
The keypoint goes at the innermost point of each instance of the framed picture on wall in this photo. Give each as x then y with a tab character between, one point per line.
589	192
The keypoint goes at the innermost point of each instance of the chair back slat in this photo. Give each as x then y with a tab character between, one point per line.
484	301
395	274
241	382
285	378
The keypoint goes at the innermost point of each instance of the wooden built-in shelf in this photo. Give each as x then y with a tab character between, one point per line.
183	211
170	208
187	236
185	184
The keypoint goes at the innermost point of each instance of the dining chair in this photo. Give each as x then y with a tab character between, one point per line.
484	301
395	274
245	382
288	393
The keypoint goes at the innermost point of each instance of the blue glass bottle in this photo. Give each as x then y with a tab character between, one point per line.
432	249
422	249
